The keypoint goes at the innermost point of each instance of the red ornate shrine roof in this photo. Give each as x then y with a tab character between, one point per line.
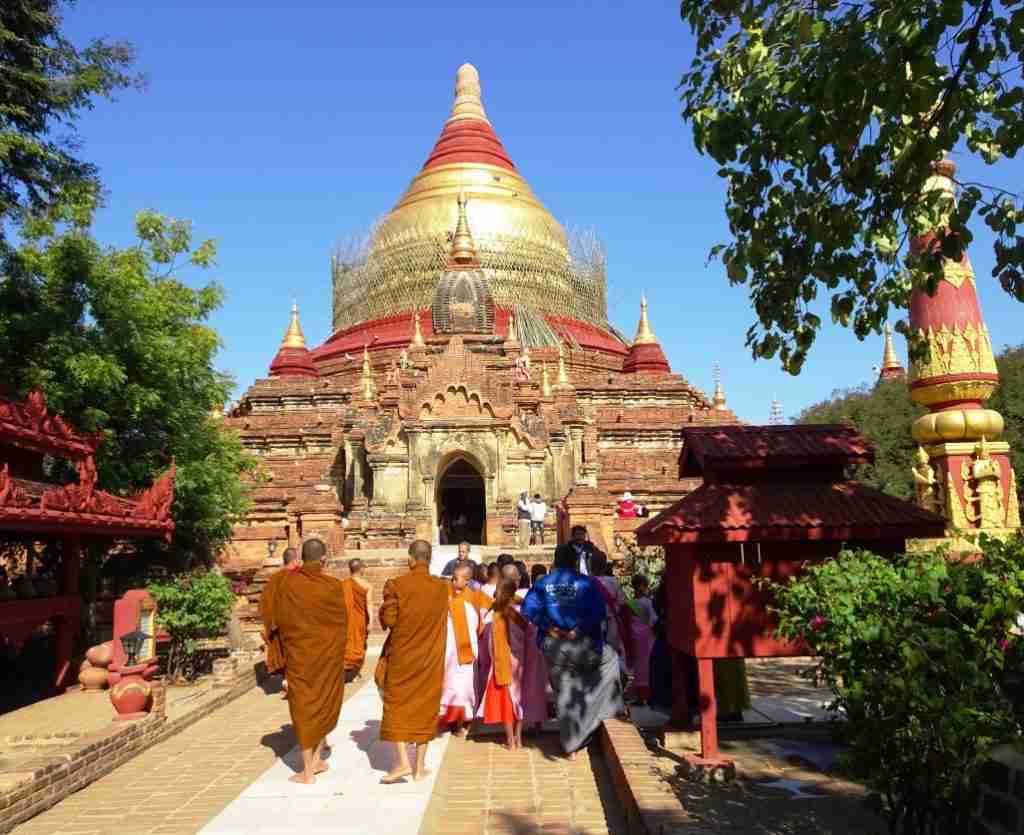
29	425
811	511
37	507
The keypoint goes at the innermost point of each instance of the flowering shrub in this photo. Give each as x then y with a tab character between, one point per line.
190	607
920	652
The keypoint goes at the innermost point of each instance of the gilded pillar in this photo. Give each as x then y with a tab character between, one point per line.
963	468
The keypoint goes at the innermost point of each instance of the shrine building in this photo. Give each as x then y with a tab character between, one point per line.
471	359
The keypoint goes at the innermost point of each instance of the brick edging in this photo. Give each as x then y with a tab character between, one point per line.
651	806
101	752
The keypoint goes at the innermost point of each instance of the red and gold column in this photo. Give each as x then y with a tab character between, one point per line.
963	469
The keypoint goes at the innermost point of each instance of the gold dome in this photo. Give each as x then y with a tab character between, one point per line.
522	249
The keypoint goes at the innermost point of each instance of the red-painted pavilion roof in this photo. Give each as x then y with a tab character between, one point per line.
772	447
29	425
293	362
799	511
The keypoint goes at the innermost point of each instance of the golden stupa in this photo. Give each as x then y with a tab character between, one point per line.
522	249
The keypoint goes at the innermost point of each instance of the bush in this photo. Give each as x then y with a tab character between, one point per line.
648	560
919	651
190	607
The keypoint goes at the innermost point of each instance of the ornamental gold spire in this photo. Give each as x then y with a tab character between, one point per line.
294	337
644	334
891	366
417	333
719	397
513	336
468	104
545	382
463	248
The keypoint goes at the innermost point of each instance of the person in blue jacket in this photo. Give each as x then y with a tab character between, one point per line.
569	612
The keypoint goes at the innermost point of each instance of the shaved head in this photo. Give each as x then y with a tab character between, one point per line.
420	551
355	567
464	567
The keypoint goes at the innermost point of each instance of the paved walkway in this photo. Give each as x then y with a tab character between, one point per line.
349	798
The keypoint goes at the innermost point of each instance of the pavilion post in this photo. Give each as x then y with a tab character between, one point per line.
708	709
67	626
681	707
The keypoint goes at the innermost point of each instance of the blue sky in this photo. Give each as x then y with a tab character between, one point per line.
278	127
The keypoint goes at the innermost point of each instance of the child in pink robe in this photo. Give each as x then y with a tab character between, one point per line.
459	691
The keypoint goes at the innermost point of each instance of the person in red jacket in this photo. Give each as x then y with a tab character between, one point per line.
627	507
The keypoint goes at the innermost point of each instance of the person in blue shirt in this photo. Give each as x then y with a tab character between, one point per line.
569	612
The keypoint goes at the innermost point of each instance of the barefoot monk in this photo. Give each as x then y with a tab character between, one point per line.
357	601
415	610
309	610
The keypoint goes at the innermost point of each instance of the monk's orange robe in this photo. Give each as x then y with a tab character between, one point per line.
358	625
309	610
415	609
275	655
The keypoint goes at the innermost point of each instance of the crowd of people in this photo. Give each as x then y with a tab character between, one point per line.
493	644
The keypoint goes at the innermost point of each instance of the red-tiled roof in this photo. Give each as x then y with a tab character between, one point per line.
770	447
293	362
814	510
646	358
396	331
469	140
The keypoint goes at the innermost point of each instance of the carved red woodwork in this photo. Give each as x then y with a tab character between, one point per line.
46	511
774	499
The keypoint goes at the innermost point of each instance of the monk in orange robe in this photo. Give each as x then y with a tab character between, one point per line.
310	614
271	638
357	601
415	610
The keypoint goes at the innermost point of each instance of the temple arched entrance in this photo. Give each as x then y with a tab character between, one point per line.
461	503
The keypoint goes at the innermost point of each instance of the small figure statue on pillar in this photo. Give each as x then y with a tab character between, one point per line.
926	484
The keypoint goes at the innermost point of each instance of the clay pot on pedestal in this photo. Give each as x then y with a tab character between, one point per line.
101	654
93	679
132	696
23	587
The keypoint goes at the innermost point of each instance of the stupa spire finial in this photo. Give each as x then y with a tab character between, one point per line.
644	334
468	103
463	248
294	337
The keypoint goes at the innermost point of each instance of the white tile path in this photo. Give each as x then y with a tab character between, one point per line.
348	799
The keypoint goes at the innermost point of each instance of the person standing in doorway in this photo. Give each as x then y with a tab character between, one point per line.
538	513
415	611
523	520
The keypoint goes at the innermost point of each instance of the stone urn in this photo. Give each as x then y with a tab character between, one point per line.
132	695
101	654
93	679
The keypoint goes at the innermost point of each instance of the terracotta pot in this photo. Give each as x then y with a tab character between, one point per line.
24	588
101	654
92	679
131	697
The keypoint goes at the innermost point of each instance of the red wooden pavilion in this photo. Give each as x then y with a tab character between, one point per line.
774	498
30	505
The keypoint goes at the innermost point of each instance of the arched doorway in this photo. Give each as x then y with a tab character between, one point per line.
461	504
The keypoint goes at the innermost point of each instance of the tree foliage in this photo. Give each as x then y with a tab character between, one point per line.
825	119
45	83
119	343
190	607
884	413
922	655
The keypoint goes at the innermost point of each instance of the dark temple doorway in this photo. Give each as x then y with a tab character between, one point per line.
460	504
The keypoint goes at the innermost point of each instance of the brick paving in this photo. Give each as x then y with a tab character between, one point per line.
483	789
177	786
